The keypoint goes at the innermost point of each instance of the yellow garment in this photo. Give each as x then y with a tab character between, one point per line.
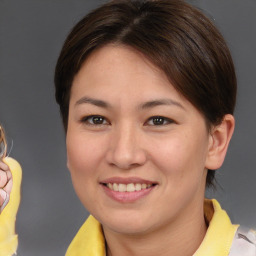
89	240
8	238
220	232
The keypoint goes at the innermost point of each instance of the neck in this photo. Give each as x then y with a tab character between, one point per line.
181	237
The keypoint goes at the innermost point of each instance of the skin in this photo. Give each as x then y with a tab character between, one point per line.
119	84
5	182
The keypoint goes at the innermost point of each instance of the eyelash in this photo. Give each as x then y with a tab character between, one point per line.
90	120
101	120
163	121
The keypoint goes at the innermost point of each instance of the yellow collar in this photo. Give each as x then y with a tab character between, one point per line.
220	233
89	240
218	239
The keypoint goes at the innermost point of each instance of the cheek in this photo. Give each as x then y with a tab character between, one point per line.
83	164
83	154
181	158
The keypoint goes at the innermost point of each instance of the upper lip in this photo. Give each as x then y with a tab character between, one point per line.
122	180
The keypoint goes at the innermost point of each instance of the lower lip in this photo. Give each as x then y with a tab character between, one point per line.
127	197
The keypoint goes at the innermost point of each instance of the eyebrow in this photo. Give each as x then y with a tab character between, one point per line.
160	102
87	100
146	105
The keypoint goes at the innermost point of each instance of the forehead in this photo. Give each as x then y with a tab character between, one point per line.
114	57
121	68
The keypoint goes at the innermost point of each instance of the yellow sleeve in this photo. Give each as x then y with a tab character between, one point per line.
8	238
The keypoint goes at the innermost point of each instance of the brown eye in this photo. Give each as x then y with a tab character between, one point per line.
159	120
95	120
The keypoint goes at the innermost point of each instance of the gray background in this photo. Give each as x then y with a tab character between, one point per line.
31	36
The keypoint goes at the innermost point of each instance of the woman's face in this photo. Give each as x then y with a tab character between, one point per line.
137	150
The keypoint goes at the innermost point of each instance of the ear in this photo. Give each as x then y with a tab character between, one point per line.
219	139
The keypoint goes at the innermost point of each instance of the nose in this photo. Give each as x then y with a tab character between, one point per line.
126	148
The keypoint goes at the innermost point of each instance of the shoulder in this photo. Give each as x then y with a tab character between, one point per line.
244	242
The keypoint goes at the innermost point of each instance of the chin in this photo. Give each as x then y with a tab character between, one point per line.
128	229
130	224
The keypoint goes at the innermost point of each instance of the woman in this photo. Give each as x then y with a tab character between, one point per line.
147	91
9	199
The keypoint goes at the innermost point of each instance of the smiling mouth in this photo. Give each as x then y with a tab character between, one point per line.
131	187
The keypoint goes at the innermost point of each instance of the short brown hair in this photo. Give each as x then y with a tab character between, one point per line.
3	144
173	35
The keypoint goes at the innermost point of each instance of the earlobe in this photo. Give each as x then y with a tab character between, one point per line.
219	139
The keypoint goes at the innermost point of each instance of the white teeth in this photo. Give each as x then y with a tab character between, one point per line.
143	186
122	188
110	185
138	187
115	187
131	187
